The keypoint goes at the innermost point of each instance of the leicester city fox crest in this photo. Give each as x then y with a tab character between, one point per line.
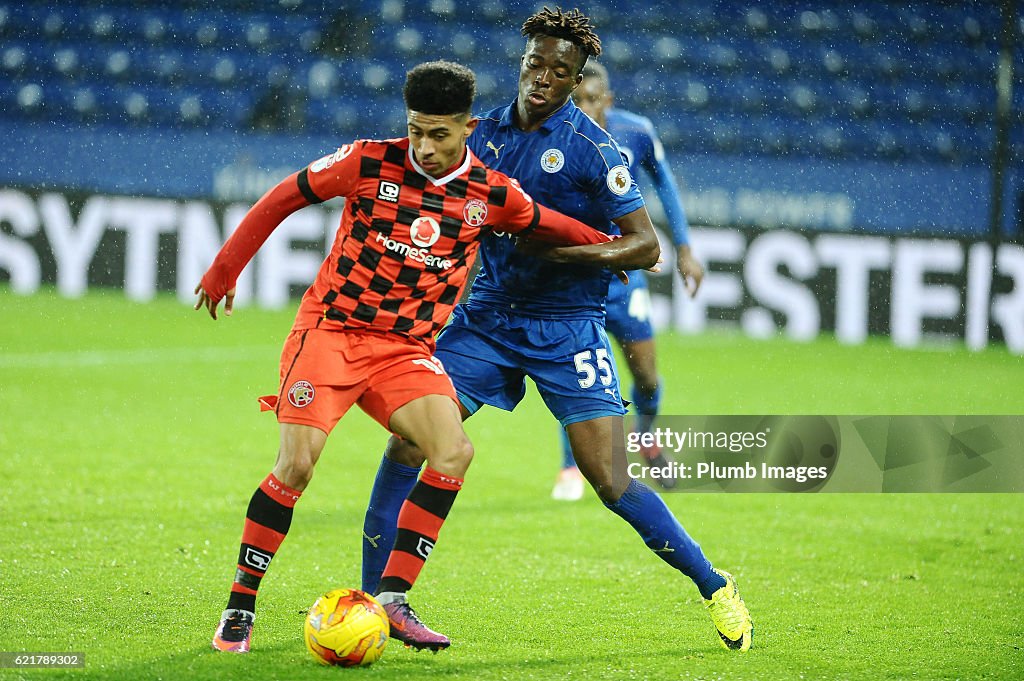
552	160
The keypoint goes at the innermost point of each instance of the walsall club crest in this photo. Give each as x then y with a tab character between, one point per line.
301	394
474	212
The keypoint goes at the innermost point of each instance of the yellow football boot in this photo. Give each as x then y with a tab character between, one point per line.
730	615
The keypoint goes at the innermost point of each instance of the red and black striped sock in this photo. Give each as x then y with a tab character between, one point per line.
419	523
266	523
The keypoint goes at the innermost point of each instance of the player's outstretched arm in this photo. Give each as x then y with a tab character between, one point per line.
557	229
263	218
637	249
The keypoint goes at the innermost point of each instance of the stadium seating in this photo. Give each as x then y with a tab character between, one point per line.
824	79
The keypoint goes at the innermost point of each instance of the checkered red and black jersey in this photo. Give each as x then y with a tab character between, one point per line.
407	240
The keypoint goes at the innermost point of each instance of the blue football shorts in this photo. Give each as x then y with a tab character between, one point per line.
488	354
629	309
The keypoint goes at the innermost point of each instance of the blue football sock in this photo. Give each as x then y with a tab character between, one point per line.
647	406
392	485
647	513
567	460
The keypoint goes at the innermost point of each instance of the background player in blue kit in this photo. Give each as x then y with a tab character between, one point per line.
544	318
629	304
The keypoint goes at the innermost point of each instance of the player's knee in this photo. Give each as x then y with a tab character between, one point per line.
645	377
646	383
605	484
463	450
452	457
404	452
295	469
605	491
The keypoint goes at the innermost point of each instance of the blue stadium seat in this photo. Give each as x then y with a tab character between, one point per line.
9	96
829	79
742	93
765	135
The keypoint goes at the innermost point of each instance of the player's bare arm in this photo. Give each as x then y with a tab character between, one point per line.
637	249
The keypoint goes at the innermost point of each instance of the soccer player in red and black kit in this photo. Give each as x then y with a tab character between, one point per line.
417	208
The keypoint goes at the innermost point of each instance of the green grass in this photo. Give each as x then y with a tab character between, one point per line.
130	442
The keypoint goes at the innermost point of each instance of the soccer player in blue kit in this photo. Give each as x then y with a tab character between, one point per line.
543	318
628	307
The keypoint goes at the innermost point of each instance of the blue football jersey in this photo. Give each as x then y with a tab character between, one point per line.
640	145
571	165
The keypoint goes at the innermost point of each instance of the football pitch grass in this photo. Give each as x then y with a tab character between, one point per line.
130	442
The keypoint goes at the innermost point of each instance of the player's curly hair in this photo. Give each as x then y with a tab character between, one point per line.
573	26
440	88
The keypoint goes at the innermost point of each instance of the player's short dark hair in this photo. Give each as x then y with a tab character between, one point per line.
573	26
440	88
